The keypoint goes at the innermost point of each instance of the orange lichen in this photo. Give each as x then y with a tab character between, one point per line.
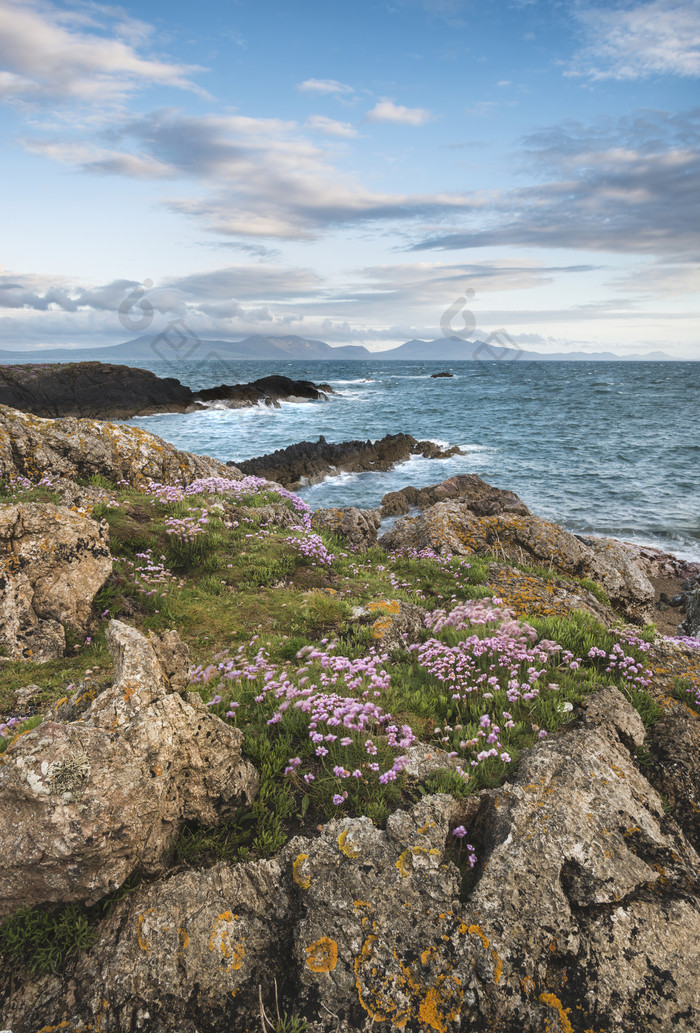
322	955
552	1001
304	881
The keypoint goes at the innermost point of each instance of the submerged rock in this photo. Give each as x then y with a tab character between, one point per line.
310	461
584	915
53	561
100	789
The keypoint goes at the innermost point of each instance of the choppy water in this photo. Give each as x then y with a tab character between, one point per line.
606	448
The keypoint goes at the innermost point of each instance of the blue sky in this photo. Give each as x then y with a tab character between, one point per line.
344	172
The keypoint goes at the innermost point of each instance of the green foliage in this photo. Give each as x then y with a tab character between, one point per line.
44	940
595	589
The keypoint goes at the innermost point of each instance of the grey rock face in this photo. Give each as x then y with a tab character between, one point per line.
357	526
585	916
85	802
691	624
52	562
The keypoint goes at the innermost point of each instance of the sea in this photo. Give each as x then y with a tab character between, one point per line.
603	448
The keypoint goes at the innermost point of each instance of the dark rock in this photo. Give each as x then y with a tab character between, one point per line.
309	462
436	376
691	624
674	743
105	391
90	389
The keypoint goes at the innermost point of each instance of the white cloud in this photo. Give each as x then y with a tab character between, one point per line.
48	55
324	86
331	127
661	37
386	110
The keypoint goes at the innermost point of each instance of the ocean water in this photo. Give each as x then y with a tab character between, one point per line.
601	448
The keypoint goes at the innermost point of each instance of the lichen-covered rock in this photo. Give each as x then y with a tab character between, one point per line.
357	526
453	527
395	624
84	803
535	595
585	916
32	447
52	562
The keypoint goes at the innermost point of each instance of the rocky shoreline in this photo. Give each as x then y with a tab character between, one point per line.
265	769
99	390
309	462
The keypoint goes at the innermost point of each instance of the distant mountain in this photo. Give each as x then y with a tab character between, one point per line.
176	348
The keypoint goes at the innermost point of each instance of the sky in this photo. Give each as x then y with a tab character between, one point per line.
348	172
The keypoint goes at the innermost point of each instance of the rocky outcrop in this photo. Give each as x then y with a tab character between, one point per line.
309	462
674	744
100	788
33	447
584	915
437	376
454	527
52	562
358	527
481	498
265	391
105	391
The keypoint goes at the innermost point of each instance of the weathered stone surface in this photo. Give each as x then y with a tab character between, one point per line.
85	803
675	745
585	916
32	447
395	623
52	562
357	526
308	462
691	624
456	528
481	498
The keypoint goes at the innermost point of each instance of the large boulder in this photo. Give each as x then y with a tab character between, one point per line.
454	527
691	623
87	799
33	447
52	562
584	916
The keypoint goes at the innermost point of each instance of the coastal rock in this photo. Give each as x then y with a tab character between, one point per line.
52	562
267	391
358	527
85	802
583	915
33	447
309	462
691	624
481	498
437	376
453	527
89	389
105	391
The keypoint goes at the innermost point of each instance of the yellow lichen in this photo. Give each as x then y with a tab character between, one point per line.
304	881
322	955
552	1001
347	848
